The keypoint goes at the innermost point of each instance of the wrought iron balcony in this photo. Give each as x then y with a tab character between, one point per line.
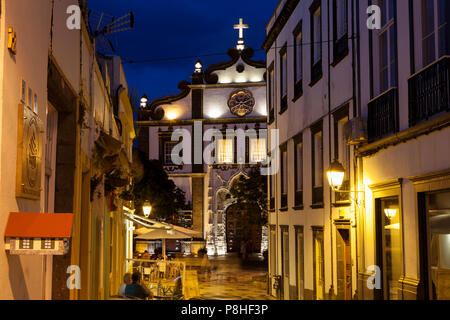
429	91
383	115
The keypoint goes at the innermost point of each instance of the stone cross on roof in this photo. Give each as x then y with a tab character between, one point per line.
241	26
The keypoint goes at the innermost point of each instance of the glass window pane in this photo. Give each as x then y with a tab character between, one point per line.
225	151
257	150
318	156
284	172
317	37
298	57
299	169
341	18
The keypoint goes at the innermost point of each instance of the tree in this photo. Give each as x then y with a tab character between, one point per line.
250	194
151	183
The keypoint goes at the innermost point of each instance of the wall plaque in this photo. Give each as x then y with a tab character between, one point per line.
29	154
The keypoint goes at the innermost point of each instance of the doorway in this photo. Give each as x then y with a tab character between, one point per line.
344	264
300	262
389	246
285	262
434	237
236	234
318	263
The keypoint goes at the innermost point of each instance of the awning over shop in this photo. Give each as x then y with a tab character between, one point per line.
38	233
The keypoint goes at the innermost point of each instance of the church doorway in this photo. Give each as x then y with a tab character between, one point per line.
236	234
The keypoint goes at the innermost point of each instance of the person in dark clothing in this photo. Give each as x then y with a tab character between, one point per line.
135	289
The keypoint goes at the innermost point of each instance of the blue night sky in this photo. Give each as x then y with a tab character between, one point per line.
181	28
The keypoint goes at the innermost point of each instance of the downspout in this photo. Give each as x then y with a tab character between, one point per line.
331	291
355	163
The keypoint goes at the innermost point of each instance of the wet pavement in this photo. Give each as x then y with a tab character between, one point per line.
229	280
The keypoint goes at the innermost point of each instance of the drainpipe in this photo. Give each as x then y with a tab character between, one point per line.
331	292
355	160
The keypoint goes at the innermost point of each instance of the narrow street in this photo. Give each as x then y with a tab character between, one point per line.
229	280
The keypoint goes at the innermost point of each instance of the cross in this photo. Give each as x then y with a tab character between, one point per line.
241	26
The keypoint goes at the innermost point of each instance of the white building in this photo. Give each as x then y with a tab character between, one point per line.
226	96
376	101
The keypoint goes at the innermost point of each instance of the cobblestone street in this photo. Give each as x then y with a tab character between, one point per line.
231	281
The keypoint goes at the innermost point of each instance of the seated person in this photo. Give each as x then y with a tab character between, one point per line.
126	281
137	290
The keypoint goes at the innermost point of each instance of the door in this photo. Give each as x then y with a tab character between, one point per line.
300	270
285	262
389	246
319	269
344	264
434	219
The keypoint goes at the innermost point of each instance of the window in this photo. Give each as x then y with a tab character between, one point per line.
298	60
298	152
388	46
168	147
316	42
25	244
342	151
340	17
258	150
283	78
284	177
225	151
271	193
271	94
317	162
47	244
435	32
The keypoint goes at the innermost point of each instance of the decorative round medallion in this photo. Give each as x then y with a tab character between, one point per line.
240	68
241	102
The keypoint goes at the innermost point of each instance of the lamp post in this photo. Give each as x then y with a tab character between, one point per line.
147	208
144	101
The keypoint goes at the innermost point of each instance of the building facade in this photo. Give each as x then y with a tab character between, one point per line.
219	102
72	105
373	96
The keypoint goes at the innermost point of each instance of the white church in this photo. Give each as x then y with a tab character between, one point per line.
225	96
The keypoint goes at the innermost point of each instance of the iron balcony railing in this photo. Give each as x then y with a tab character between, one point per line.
383	115
429	91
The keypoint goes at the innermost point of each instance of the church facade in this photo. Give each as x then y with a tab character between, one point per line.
218	104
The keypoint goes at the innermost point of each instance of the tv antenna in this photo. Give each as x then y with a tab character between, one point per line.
103	25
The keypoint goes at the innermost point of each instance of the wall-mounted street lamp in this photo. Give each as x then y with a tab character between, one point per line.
336	174
147	208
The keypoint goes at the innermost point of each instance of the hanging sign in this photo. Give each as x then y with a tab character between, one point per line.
29	154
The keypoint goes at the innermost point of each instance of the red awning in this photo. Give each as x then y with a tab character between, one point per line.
39	225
